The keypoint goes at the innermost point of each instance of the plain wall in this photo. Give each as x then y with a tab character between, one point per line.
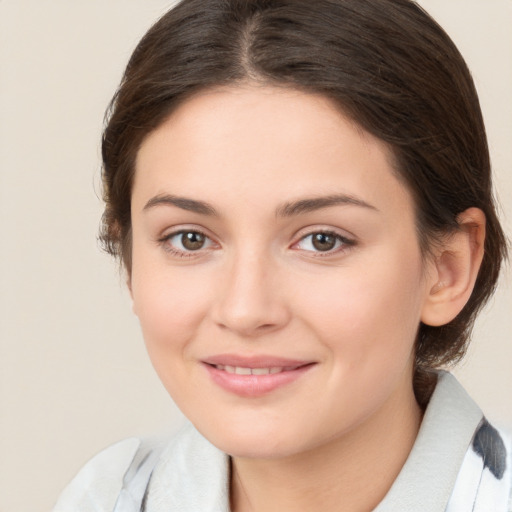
74	376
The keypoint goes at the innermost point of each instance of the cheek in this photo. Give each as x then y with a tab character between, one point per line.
367	321
170	306
368	314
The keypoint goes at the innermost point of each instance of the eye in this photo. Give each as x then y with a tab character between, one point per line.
186	241
323	241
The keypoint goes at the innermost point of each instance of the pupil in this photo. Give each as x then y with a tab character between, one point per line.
323	241
192	241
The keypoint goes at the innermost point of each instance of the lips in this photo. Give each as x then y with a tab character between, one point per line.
243	370
254	376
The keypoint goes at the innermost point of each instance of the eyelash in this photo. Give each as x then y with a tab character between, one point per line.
165	243
343	243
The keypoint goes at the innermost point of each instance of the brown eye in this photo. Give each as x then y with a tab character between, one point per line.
323	241
192	240
187	243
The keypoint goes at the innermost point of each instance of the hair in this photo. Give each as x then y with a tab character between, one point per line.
387	65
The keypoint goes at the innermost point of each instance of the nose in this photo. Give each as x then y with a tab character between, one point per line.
251	300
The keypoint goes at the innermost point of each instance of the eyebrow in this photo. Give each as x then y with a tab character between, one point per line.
317	203
184	203
288	209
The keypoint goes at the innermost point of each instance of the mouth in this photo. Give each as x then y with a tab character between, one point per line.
254	377
241	370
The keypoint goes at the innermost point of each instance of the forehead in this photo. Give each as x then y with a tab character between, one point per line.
263	145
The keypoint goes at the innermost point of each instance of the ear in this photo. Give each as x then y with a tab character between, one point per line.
456	267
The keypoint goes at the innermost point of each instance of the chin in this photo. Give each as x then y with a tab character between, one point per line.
250	441
255	448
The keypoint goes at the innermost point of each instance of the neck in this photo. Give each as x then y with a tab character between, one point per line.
356	469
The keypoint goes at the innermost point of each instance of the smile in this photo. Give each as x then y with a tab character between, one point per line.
254	377
241	370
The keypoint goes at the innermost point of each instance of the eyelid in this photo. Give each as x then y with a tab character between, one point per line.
348	240
170	233
324	228
184	228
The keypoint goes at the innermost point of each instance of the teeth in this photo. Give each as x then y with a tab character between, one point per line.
260	371
240	370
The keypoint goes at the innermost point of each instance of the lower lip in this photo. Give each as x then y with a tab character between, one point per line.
255	385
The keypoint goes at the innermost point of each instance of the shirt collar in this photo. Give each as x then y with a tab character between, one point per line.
193	475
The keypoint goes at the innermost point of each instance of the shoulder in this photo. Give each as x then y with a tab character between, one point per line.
97	485
191	475
181	472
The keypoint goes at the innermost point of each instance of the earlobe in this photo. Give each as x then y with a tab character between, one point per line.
456	269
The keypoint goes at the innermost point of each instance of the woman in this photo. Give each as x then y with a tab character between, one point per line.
300	194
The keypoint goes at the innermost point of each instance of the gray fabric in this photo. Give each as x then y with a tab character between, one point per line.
428	476
192	475
484	481
96	487
136	478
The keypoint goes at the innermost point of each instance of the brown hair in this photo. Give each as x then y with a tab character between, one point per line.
386	63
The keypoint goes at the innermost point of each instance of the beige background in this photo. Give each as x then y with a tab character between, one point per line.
74	376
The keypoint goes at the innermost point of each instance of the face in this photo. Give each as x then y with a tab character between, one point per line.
276	270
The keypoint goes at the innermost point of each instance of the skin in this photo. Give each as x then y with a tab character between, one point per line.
259	286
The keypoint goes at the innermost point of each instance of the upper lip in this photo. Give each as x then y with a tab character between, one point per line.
256	361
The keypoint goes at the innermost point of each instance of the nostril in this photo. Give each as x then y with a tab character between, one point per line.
265	327
248	327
